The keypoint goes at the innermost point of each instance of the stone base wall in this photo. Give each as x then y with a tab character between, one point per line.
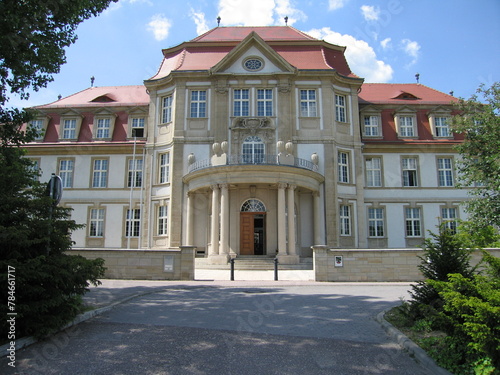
167	264
373	264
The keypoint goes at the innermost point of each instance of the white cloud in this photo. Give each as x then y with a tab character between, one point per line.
336	4
361	57
386	43
199	20
412	49
258	13
159	26
119	4
370	13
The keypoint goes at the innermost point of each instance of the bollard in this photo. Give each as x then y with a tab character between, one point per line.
232	268
275	269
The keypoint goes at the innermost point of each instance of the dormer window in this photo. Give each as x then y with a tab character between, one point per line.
104	123
137	127
406	123
103	126
69	129
406	96
439	120
38	125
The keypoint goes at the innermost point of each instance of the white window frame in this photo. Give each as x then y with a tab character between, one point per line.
445	172
373	173
343	167
134	172
449	216
38	124
162	227
308	99
197	104
100	174
413	222
406	126
66	172
373	125
138	122
133	223
376	220
409	167
241	102
166	108
264	100
96	222
345	220
69	132
164	168
442	127
340	108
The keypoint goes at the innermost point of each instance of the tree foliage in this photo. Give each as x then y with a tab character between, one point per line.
480	153
48	284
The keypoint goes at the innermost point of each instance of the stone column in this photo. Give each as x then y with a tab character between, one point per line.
281	219
224	219
214	237
317	219
190	220
291	220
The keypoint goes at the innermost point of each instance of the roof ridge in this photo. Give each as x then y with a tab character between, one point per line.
69	96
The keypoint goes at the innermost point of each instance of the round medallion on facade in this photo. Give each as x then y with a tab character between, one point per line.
253	64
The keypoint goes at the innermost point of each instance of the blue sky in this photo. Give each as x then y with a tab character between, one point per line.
453	44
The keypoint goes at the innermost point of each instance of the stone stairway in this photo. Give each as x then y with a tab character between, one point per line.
254	263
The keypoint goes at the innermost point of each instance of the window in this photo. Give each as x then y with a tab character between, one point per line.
343	166
406	126
164	168
409	166
264	102
449	216
134	173
198	104
166	109
35	168
133	223
412	221
137	127
96	227
103	127
373	172
441	126
38	126
445	172
66	172
162	220
308	103
371	126
345	220
100	173
376	222
340	108
69	129
241	102
253	150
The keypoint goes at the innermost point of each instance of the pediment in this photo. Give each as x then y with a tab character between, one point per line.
252	56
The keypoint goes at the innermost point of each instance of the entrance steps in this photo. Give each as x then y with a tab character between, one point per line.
255	262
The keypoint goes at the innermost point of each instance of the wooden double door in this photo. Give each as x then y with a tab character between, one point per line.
252	233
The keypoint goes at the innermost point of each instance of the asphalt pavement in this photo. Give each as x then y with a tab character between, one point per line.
228	327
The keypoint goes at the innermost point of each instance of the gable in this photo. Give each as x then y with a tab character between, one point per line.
252	55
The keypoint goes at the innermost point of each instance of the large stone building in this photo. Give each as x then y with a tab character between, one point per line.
253	141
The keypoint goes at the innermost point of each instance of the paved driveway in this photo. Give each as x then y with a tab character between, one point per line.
210	329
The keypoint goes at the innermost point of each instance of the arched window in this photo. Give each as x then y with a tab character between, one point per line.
253	205
253	150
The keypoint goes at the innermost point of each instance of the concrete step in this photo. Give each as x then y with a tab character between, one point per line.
254	263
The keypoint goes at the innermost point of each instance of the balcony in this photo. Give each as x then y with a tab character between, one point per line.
284	160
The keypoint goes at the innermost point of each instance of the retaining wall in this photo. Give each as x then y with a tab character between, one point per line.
372	264
166	264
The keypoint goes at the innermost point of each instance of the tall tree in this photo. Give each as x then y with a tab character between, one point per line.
48	284
479	166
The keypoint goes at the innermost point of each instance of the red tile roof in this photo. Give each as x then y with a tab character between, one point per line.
392	93
106	96
297	48
239	33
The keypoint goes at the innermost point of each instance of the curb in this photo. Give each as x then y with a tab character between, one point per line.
413	349
30	340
